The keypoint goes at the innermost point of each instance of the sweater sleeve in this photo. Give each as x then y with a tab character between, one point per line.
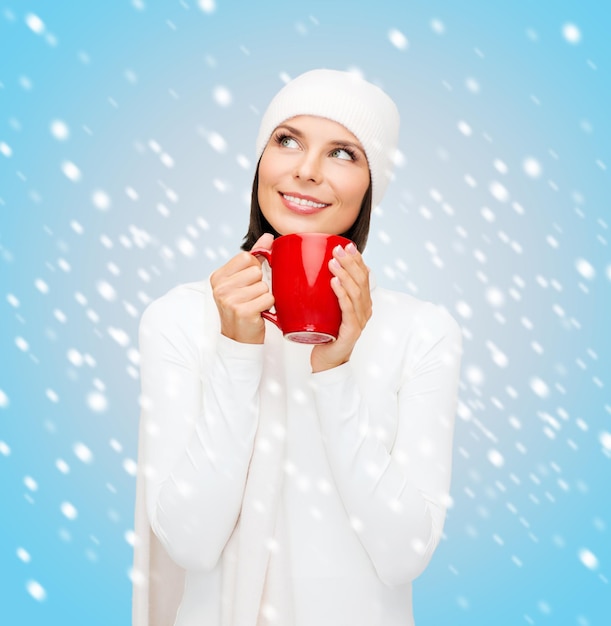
200	419
396	498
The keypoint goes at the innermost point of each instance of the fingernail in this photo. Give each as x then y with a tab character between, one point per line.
351	249
339	251
334	263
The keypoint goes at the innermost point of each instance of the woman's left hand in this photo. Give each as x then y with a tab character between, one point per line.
350	283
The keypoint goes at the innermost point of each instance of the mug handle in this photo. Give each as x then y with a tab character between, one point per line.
268	315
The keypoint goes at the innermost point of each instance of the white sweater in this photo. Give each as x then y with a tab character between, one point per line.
288	497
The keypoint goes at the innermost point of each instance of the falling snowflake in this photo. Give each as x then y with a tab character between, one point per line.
71	171
36	590
571	33
59	129
398	39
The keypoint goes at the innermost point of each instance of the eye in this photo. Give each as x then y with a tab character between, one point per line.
343	153
286	141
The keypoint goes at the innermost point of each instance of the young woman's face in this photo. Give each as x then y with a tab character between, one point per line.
313	175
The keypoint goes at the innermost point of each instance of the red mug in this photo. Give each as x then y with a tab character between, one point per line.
307	309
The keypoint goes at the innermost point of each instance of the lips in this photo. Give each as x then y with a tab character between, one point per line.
302	204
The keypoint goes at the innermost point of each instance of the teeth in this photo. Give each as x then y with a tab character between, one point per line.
302	202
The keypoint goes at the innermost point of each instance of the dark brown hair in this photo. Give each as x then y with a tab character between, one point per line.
358	232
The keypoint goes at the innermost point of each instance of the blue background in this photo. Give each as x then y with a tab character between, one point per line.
500	212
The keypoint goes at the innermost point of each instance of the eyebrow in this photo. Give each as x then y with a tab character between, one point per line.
334	142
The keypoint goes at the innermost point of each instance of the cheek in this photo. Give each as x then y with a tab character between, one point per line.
263	174
356	191
266	168
271	166
266	182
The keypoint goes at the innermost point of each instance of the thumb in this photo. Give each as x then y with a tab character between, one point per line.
264	242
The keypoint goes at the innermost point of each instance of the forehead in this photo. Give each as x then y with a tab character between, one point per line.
321	126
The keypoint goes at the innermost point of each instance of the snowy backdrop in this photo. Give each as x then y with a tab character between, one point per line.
127	132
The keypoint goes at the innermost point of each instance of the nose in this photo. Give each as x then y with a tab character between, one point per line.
308	168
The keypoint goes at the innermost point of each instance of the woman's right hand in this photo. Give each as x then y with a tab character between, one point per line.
241	295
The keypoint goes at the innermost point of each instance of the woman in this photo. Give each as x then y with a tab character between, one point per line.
286	484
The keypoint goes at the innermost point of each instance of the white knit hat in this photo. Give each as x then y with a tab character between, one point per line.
364	109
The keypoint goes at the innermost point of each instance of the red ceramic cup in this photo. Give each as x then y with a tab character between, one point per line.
306	307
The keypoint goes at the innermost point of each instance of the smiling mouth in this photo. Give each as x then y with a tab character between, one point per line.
303	203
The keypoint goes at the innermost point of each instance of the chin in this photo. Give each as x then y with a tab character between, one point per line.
298	226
